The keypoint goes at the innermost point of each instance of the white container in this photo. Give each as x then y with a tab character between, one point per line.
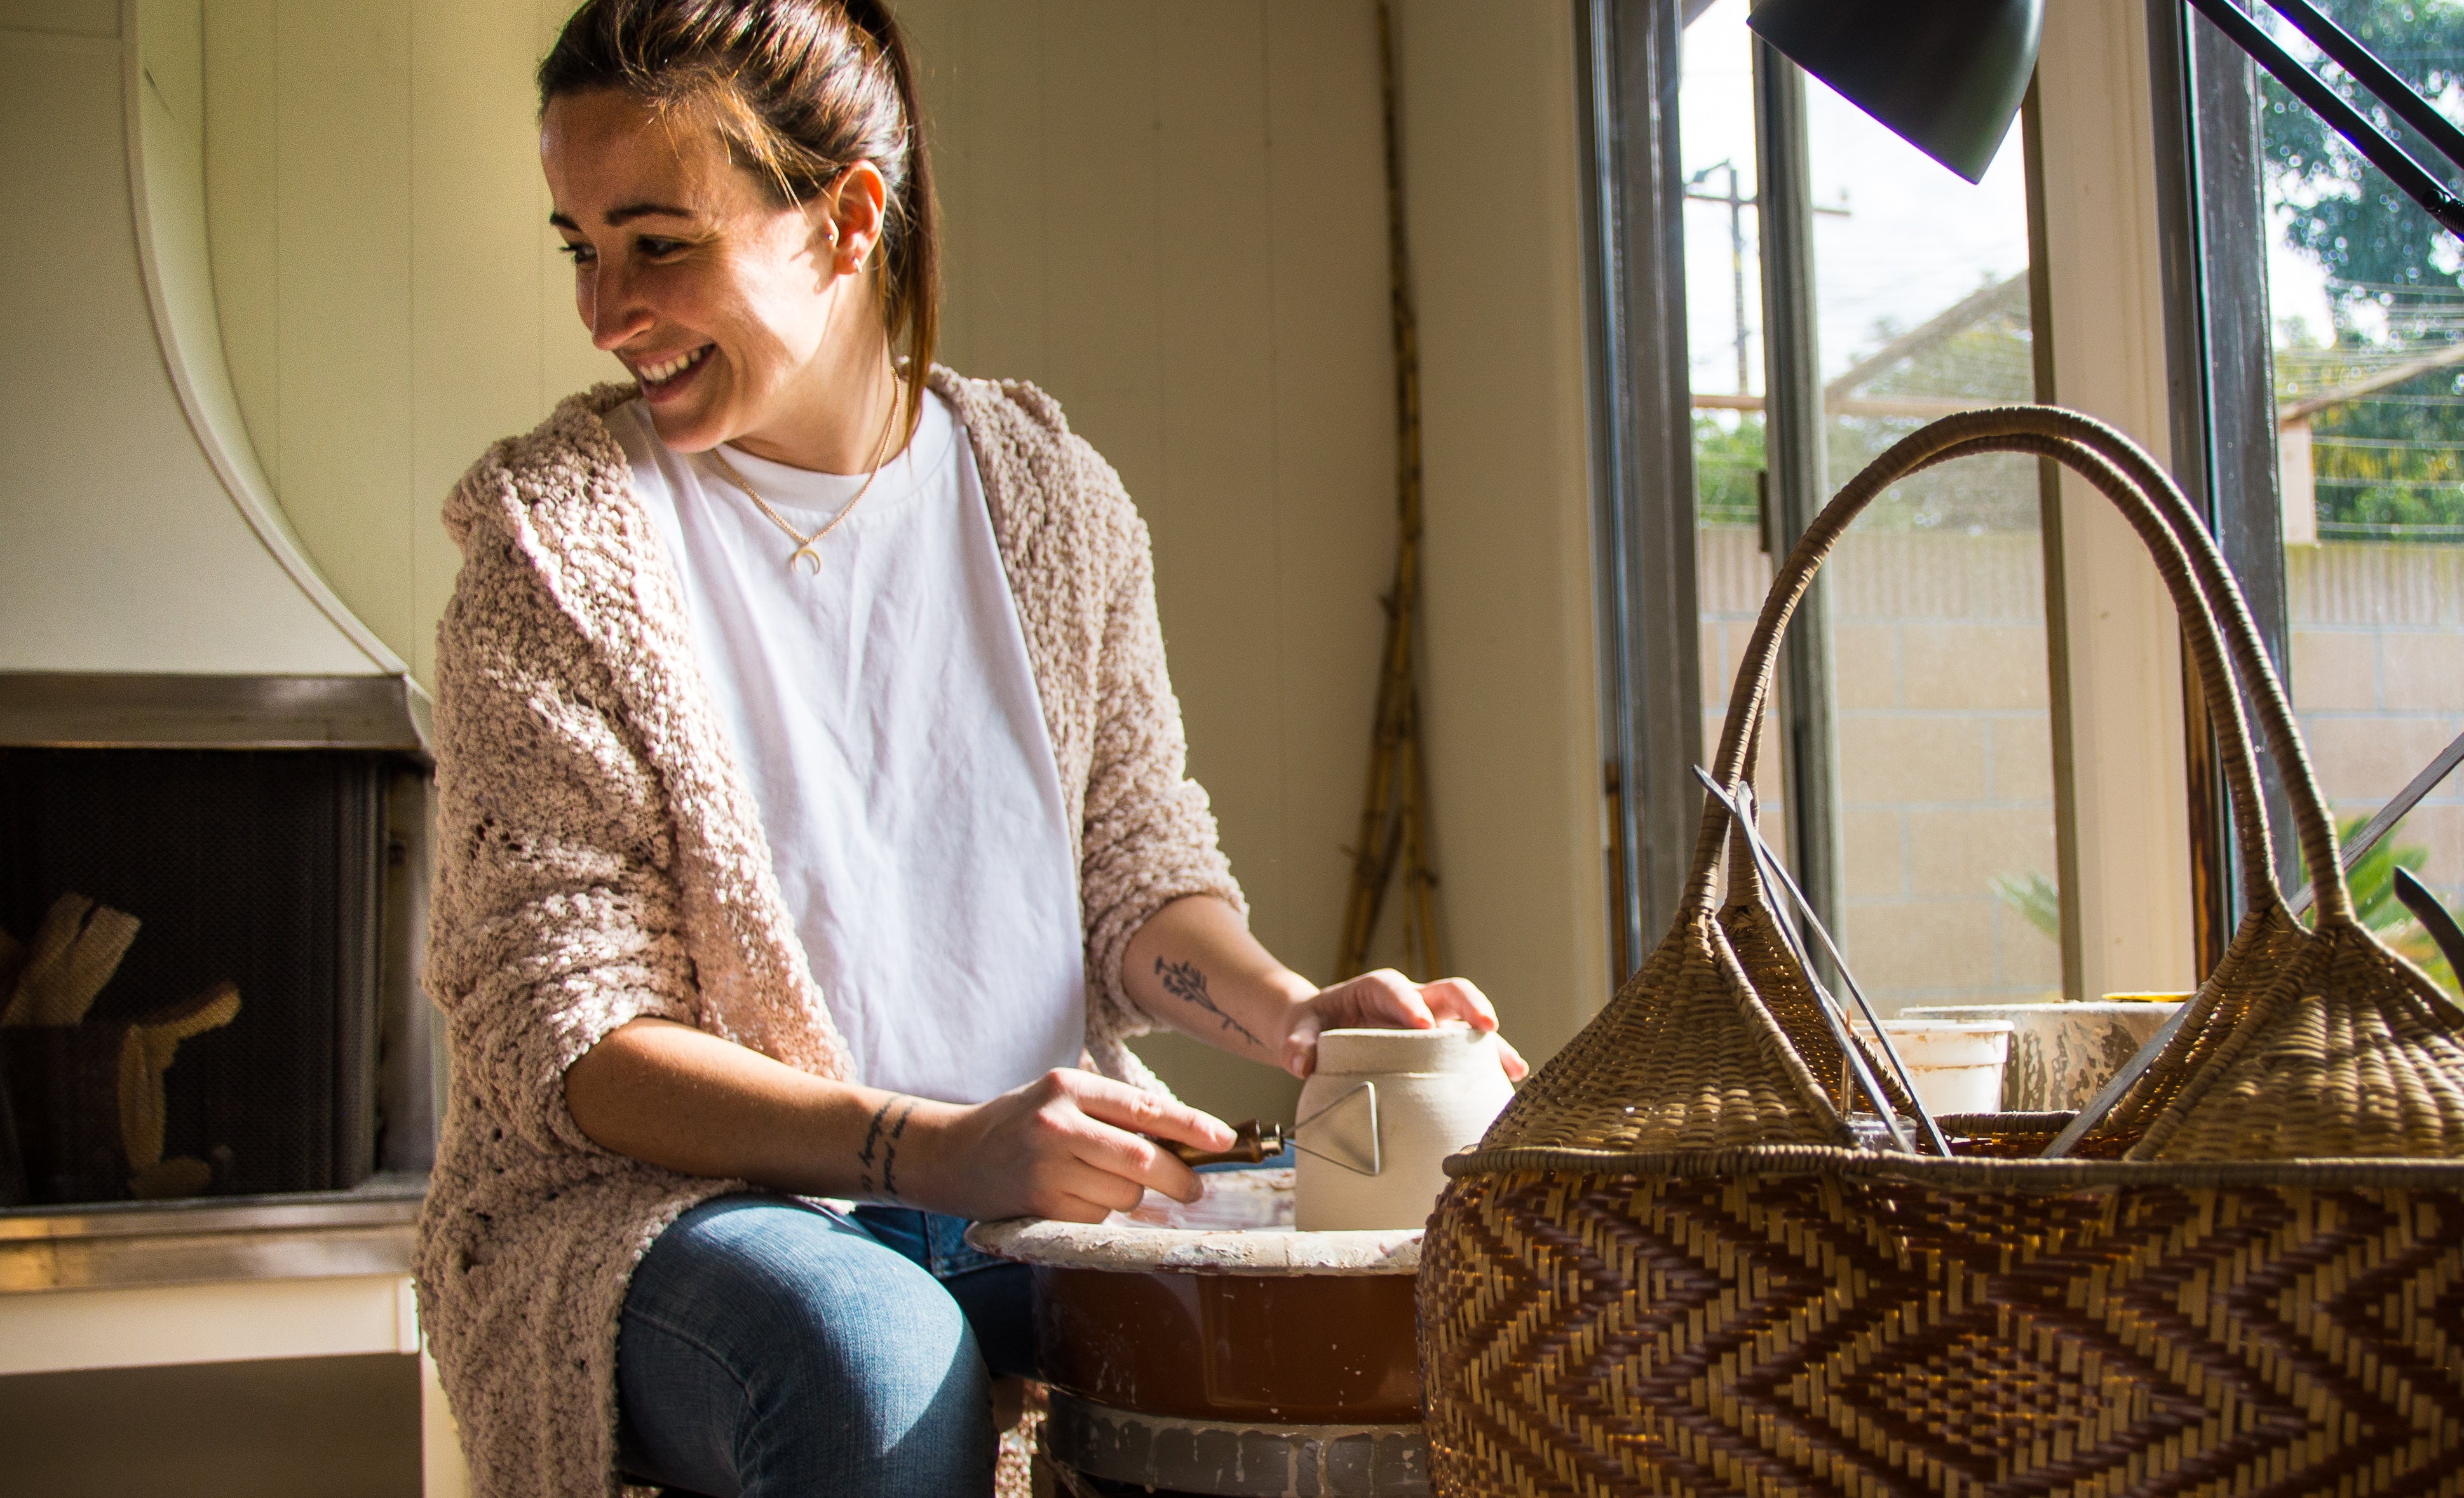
2061	1053
1378	1117
1957	1064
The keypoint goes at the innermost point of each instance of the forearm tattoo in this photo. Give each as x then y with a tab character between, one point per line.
1184	982
881	1144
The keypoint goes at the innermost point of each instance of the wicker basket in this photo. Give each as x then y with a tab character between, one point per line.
1665	1270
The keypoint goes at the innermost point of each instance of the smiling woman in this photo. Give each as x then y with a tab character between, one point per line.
829	868
789	168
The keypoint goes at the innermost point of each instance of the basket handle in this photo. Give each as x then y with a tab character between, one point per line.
2240	769
2201	585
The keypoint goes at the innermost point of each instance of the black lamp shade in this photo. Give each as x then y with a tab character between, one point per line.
1946	76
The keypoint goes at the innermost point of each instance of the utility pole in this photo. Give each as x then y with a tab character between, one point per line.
1737	203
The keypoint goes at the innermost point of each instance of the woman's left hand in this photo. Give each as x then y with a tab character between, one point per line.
1385	1000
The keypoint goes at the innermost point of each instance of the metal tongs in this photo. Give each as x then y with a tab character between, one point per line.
1776	875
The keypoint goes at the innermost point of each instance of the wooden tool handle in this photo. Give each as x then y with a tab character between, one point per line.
1251	1142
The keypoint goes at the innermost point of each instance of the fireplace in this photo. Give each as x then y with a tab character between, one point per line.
213	797
210	891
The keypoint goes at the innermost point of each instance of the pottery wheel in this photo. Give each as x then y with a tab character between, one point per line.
1211	1348
1243	1225
1162	1454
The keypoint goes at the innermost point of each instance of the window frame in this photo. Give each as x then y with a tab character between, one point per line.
2211	221
1642	456
1644	484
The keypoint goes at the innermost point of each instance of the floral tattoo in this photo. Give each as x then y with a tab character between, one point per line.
1184	982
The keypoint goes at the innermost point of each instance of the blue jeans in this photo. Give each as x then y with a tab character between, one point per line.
769	1347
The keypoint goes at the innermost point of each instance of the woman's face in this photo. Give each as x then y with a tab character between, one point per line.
730	310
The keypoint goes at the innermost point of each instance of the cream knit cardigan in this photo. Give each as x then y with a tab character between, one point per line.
599	860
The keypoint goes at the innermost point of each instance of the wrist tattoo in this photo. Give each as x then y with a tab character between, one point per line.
890	1151
1184	982
881	1144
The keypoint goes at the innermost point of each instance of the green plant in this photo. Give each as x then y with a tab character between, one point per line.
2345	213
2388	459
1728	462
2036	898
2372	880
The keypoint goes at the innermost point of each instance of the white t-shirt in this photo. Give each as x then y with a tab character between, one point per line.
885	715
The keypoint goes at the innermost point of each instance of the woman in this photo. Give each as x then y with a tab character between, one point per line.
813	820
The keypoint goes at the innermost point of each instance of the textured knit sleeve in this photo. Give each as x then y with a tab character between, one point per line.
556	915
1150	835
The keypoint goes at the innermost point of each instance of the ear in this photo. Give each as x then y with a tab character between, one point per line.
848	218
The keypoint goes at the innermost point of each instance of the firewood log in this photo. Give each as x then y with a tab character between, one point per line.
145	1054
74	952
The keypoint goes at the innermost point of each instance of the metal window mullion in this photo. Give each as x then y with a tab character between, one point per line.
1643	454
1792	445
2220	358
2049	512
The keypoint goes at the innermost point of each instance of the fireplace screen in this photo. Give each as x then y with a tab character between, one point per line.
189	971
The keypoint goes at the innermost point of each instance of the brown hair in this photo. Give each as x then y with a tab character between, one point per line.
799	91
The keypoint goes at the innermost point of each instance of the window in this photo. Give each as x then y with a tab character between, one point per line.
2366	308
1942	802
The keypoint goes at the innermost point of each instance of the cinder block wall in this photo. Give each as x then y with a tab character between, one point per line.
1947	767
1945	744
2378	681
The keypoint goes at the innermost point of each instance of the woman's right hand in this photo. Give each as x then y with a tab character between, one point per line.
1069	1145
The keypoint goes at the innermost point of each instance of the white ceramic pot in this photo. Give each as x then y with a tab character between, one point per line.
1957	1066
1380	1114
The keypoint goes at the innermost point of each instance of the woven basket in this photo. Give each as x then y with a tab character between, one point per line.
1666	1270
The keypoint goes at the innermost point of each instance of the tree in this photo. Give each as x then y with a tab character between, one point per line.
2370	236
2391	459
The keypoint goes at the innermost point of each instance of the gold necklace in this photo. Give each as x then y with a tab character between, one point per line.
804	543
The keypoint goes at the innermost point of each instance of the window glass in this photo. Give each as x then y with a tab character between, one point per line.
1724	340
1937	594
2368	315
1937	599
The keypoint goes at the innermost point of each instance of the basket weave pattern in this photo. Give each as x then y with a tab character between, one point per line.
1721	1072
1792	1330
1664	1271
1752	933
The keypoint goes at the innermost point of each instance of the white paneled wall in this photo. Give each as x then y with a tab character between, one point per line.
390	298
1171	216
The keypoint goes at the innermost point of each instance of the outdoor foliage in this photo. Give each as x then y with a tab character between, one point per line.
2037	900
1728	457
1986	362
2373	884
2035	896
2346	214
2395	456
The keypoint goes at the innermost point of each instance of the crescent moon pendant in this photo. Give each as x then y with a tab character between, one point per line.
806	553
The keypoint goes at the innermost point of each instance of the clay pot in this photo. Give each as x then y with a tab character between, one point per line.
1380	1114
1307	1348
